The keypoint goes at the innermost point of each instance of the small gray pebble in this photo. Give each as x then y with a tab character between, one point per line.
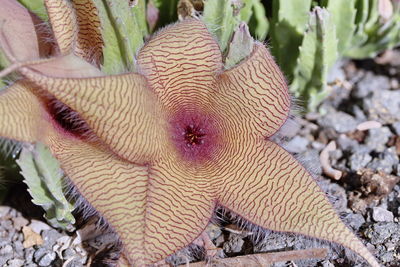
384	106
354	220
359	160
7	249
74	263
47	259
297	145
359	113
339	121
15	263
68	253
386	161
387	257
347	144
50	237
382	215
398	169
396	127
377	138
369	84
234	244
382	232
327	264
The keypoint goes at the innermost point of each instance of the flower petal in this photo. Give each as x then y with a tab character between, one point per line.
76	27
119	109
180	61
179	208
62	20
19	30
259	88
22	115
154	209
271	189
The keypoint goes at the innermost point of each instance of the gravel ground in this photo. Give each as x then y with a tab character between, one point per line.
367	195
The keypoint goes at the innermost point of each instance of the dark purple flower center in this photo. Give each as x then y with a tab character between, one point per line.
194	135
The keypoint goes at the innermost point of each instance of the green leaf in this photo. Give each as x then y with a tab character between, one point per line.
37	7
123	32
219	18
343	15
42	174
289	22
318	53
113	59
247	10
261	21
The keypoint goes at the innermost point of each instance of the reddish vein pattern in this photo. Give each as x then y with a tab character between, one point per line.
62	18
89	43
157	198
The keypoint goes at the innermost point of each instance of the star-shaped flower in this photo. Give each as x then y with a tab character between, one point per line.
156	151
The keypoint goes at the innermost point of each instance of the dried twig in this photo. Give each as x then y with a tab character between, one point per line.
326	166
265	259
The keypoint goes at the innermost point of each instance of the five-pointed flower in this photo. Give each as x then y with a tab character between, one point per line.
158	150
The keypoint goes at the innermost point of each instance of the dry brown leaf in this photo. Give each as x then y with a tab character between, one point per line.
30	237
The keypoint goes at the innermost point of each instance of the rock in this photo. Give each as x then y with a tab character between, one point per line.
339	121
44	257
15	263
382	215
297	145
346	144
74	263
359	113
19	222
327	263
383	232
396	127
377	138
354	220
369	84
386	161
384	106
234	244
38	226
50	237
7	249
6	253
359	160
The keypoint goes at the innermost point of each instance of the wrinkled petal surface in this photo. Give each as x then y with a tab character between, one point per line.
181	62
271	189
119	109
76	28
257	85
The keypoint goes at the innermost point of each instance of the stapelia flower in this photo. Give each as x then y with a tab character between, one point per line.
158	150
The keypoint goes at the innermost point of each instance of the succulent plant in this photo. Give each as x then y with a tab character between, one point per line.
308	37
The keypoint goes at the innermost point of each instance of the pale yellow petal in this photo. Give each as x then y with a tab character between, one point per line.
270	188
258	90
119	109
181	62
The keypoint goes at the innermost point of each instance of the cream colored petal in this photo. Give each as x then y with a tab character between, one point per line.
268	187
119	109
181	62
258	91
22	115
76	28
63	22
